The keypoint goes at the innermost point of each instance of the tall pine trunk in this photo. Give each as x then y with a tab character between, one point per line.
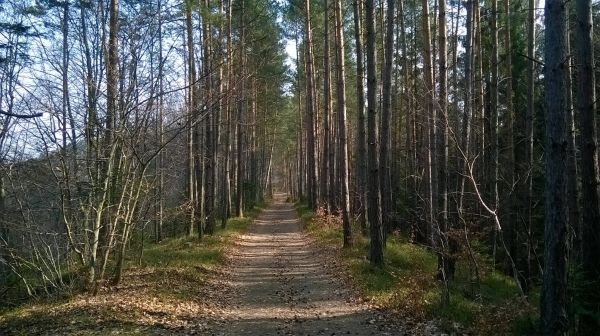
241	112
385	121
361	146
590	174
327	162
342	164
311	109
373	200
553	296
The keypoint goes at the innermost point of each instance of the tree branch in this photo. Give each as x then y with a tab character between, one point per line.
21	116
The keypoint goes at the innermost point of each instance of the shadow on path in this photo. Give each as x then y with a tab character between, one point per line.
278	285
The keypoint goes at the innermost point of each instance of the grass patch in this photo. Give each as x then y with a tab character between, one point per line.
407	283
161	293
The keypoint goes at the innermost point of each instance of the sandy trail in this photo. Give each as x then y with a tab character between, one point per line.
276	283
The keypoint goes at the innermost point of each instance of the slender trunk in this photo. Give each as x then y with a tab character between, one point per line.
342	163
410	161
361	146
554	287
226	203
494	115
529	124
327	162
509	210
590	172
191	68
160	132
239	205
112	72
442	149
464	156
385	121
311	109
210	155
431	122
373	200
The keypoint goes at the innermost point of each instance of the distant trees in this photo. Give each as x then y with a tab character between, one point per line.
138	132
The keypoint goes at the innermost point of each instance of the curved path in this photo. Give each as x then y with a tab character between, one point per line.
278	284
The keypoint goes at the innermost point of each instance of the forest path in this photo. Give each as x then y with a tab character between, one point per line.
277	283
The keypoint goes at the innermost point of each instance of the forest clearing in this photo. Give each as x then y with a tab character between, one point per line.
299	167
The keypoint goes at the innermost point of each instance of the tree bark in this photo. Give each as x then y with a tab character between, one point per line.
445	263
210	159
373	200
327	162
590	172
361	146
385	121
191	68
431	123
554	299
342	164
311	110
241	111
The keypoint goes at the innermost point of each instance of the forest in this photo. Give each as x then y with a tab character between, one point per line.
238	167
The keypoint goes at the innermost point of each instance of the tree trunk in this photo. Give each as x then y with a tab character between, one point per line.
373	200
327	162
226	197
431	123
158	231
385	121
361	146
191	68
529	124
210	158
494	120
311	109
342	164
445	263
590	174
554	287
572	188
241	111
510	225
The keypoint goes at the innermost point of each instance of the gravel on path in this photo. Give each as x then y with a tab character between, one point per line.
276	283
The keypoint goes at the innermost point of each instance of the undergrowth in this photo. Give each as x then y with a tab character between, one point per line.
161	289
407	283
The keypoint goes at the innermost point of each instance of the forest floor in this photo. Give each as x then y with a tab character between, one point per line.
269	280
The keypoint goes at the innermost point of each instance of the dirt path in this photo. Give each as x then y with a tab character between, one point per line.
277	284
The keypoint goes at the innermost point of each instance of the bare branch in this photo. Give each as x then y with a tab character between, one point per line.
21	116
